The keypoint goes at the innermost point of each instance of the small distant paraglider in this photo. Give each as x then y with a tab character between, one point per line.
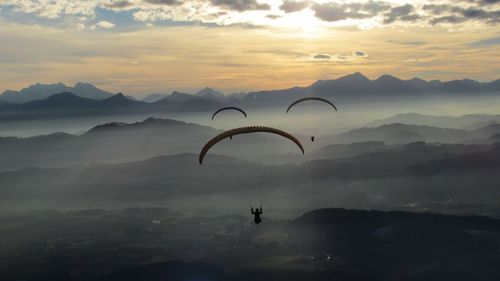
229	108
311	99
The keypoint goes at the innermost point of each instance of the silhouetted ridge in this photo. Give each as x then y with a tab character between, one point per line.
120	100
149	122
404	133
355	77
63	100
40	91
210	93
358	88
180	97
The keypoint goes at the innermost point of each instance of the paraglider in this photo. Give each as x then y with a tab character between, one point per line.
229	108
246	130
311	99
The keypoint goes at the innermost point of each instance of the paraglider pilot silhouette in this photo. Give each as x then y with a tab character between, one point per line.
257	212
247	130
310	99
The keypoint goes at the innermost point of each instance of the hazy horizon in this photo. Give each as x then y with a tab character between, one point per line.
193	91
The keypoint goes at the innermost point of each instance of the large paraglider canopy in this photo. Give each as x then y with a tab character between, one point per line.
230	108
311	99
247	130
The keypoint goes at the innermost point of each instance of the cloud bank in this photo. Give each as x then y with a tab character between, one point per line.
256	12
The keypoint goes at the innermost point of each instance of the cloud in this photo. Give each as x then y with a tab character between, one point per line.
119	4
360	54
163	2
80	26
426	13
290	6
105	24
402	13
407	42
273	17
355	13
241	5
436	9
54	9
447	19
485	2
485	42
332	12
323	57
452	14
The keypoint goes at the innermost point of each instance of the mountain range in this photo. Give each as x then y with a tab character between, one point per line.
59	100
414	174
358	88
350	87
118	142
42	91
68	104
466	122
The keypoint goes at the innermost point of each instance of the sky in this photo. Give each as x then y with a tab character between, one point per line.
157	46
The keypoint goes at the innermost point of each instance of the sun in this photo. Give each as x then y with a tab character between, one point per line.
302	23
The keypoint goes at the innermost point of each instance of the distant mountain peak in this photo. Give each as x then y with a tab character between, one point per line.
356	76
207	89
84	85
116	97
417	79
147	123
209	92
120	100
388	78
160	121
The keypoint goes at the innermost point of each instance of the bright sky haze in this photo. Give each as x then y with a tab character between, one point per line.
156	46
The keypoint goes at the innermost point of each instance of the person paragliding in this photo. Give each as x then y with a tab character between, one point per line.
230	108
311	99
257	212
247	130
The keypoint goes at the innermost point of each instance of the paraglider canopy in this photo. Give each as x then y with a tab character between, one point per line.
246	130
230	108
311	99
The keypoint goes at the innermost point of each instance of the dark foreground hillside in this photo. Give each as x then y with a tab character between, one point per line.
327	244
